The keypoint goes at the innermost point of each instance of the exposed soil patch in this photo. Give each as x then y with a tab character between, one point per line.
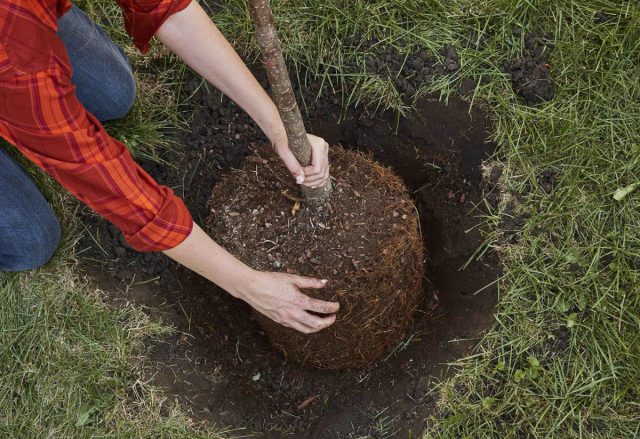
222	367
407	70
531	73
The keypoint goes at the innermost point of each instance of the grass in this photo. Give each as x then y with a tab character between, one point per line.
574	272
563	357
71	364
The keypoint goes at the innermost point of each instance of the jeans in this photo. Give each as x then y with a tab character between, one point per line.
29	230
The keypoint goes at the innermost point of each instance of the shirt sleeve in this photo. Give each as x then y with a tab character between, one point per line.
142	18
41	116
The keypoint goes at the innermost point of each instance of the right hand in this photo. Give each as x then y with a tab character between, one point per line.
316	174
276	295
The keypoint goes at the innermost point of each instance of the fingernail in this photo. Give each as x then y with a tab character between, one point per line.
324	281
300	179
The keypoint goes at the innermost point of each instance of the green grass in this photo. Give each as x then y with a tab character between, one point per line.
577	264
575	268
70	365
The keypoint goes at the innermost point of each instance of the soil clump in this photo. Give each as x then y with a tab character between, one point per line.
531	73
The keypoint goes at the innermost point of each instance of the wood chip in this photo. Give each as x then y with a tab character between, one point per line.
292	195
234	213
295	208
256	159
307	401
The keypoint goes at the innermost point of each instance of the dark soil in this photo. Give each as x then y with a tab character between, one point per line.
531	73
603	17
407	70
547	181
365	239
220	365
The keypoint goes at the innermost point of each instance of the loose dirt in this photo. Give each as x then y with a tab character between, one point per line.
531	73
219	364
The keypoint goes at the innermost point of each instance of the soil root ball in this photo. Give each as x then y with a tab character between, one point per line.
366	240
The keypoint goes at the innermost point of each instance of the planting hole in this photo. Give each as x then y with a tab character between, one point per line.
220	365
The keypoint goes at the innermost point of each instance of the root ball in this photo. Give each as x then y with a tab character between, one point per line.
366	241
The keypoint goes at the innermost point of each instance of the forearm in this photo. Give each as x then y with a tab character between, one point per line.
192	36
203	255
275	295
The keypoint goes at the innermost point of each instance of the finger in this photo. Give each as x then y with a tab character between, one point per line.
309	177
310	174
316	323
326	175
300	327
320	157
292	164
306	302
320	306
308	282
317	180
319	149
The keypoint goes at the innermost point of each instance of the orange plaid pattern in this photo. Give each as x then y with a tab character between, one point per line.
41	116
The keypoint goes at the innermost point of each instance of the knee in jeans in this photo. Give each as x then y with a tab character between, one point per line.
124	95
37	246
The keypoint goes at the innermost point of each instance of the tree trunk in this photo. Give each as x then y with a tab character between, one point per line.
282	90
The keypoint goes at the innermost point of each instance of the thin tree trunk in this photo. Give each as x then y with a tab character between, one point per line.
282	90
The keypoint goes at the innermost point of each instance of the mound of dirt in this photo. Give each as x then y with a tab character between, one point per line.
365	240
531	73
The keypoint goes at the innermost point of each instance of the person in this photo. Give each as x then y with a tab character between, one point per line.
60	77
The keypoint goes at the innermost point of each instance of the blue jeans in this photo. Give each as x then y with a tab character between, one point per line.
29	230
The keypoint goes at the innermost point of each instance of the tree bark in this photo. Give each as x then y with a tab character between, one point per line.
282	90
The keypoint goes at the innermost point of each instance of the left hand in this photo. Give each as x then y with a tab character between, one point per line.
315	174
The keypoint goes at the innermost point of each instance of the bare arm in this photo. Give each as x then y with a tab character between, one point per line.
192	35
275	295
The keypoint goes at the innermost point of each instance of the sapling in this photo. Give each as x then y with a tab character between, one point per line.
282	92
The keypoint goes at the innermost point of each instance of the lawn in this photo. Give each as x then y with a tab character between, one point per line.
563	356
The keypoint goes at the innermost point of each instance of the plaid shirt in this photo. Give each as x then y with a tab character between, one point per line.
41	116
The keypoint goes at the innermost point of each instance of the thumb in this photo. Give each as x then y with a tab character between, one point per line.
292	164
308	282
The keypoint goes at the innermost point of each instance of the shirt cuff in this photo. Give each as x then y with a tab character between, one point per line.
142	19
171	225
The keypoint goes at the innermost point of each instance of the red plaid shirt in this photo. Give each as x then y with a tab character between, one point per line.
41	116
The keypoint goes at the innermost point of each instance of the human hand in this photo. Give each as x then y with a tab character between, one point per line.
276	295
314	175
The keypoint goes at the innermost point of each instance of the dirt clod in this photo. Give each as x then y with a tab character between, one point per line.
407	70
547	181
531	73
